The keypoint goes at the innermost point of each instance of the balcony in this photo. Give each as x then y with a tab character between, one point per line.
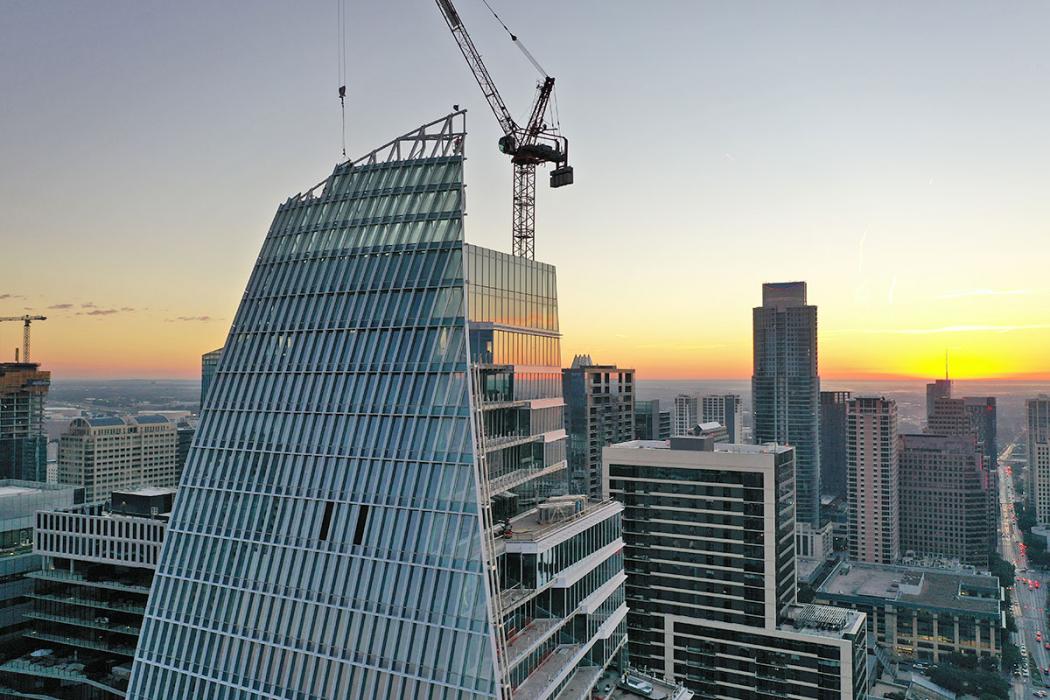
81	622
542	681
80	580
512	480
112	606
530	533
533	635
63	669
95	645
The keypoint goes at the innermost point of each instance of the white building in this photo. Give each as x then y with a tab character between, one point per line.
108	454
686	414
873	479
1038	491
727	409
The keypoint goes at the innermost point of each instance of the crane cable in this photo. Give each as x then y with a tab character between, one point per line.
341	25
517	42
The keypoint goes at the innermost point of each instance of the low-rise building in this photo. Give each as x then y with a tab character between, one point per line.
922	614
89	598
19	501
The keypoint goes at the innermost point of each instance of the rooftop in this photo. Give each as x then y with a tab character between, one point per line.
611	686
913	586
7	491
147	491
764	449
823	621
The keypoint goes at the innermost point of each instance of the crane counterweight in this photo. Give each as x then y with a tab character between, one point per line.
534	144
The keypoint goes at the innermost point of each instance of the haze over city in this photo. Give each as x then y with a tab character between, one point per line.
892	157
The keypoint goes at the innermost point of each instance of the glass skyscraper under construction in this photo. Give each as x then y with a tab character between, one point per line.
357	517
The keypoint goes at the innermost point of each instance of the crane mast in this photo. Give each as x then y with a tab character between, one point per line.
528	146
26	320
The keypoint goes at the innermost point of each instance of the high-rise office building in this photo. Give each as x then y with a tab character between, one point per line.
209	363
833	442
385	405
110	453
785	386
96	563
944	491
1037	490
726	409
709	546
650	422
185	429
937	389
686	414
950	417
873	479
599	411
957	418
23	440
984	418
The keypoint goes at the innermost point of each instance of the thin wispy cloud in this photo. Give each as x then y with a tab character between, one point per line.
88	305
976	328
10	296
190	318
61	306
675	346
99	312
966	293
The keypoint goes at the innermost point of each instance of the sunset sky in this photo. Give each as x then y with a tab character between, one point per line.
896	157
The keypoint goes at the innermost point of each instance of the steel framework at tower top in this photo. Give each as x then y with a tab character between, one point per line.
528	146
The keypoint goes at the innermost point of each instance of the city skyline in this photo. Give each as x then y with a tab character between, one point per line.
876	171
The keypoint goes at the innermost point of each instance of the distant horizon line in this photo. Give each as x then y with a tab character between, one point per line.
1020	378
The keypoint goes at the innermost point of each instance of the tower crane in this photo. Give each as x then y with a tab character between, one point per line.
534	144
26	320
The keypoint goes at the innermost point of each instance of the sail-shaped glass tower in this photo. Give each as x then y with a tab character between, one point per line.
359	515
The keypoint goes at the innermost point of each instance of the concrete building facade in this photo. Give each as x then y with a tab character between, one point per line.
873	479
686	414
922	614
937	389
727	410
106	454
944	492
1037	490
709	533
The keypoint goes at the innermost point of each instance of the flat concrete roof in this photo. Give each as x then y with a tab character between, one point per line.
16	491
767	448
939	588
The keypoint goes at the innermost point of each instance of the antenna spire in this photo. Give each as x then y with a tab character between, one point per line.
945	365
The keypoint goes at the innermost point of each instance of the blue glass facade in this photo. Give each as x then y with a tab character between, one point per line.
335	531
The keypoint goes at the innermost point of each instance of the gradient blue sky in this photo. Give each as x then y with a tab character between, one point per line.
894	155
